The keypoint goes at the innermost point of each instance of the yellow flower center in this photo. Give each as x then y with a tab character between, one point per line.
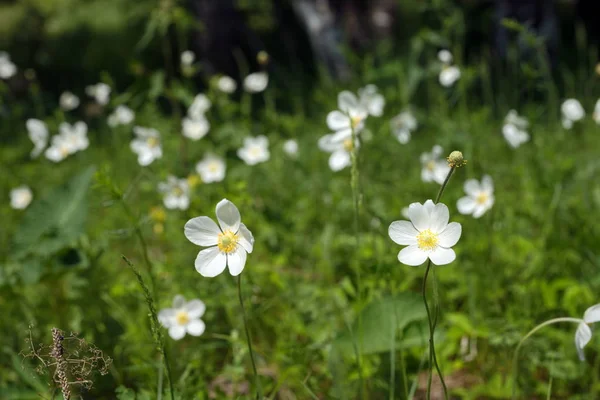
177	191
227	241
482	198
254	151
430	166
182	317
348	146
427	240
152	142
214	166
355	121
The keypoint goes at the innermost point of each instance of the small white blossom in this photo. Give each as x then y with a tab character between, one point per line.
183	318
479	198
122	115
38	133
449	75
514	129
256	82
195	129
176	193
445	56
100	92
68	101
341	151
187	58
226	84
371	100
583	335
20	197
146	145
211	168
351	114
255	150
199	106
7	67
230	241
434	167
290	147
403	125
75	135
572	111
59	149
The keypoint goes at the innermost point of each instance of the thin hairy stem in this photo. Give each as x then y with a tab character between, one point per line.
254	370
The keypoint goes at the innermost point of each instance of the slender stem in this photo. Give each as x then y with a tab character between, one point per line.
531	332
256	380
439	195
393	358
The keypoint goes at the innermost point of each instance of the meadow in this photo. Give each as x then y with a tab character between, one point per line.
102	190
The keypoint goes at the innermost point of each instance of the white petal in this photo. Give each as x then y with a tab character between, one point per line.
439	218
466	205
376	105
403	233
449	236
171	201
479	210
246	239
327	144
487	184
337	120
195	327
202	231
195	308
339	136
166	317
592	314
178	302
211	262
228	216
339	160
412	255
442	256
177	332
236	261
419	216
583	335
347	101
472	187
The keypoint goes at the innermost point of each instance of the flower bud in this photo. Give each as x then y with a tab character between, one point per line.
456	159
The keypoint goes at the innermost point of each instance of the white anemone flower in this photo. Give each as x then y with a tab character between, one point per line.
122	115
75	135
187	58
176	193
256	82
195	128
146	145
479	198
68	101
449	75
100	92
434	167
351	114
7	67
183	318
583	335
38	133
371	100
211	168
290	147
445	56
428	234
59	149
340	151
572	111
199	106
20	197
226	84
515	129
402	126
230	241
255	150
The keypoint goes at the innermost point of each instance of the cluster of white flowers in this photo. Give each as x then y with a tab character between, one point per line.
514	129
211	168
122	115
450	73
20	197
195	125
255	150
434	166
402	126
176	193
7	68
70	140
256	82
100	92
146	145
68	101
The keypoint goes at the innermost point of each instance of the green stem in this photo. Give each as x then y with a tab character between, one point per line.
256	379
531	332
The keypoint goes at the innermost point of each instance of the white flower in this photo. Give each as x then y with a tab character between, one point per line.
371	100
445	56
176	193
402	126
20	197
596	114
351	114
572	111
59	150
435	168
100	92
7	67
122	115
514	129
479	198
187	58
427	235
255	150
75	136
290	147
256	82
195	129
146	145
515	119
38	133
229	243
211	168
226	84
449	75
583	335
183	318
68	101
340	151
199	106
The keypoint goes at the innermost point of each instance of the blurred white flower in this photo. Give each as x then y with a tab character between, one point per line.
176	193
371	100
340	151
427	235
146	145
59	149
229	244
479	198
351	114
402	126
195	129
20	197
256	82
445	56
255	150
199	106
596	114
434	167
38	133
514	129
290	147
211	168
183	318
572	111
583	335
187	58
68	101
75	135
449	75
226	84
122	115
100	92
7	67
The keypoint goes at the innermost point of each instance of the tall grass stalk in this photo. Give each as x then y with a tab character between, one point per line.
259	394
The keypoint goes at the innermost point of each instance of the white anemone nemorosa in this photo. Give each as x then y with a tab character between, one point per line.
428	235
583	335
371	100
341	151
255	150
183	318
434	167
479	198
211	168
351	114
229	242
176	193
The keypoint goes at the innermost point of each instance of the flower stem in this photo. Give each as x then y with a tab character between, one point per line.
531	332
256	380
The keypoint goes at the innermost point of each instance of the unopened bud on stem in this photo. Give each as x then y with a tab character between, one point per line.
456	159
